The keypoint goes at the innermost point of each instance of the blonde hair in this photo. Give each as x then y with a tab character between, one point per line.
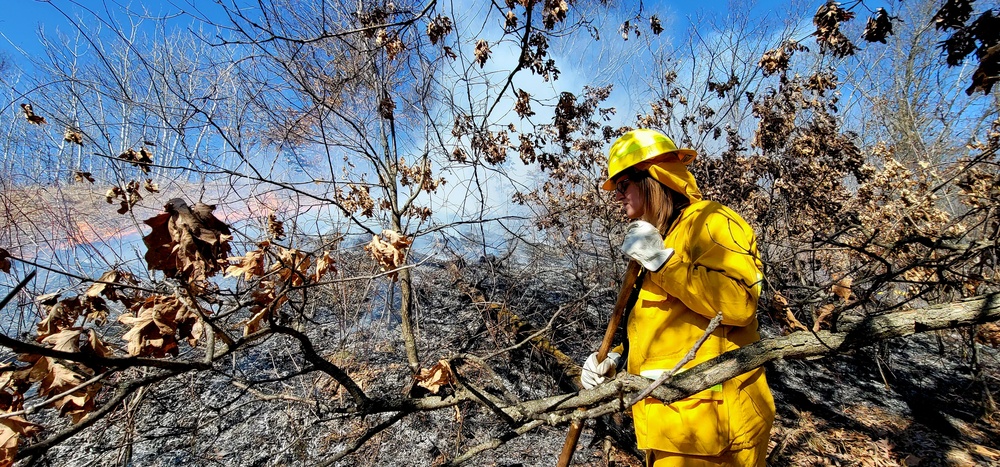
661	204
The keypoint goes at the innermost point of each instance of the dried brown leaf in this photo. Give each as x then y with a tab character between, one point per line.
779	301
988	334
391	253
4	261
275	228
654	25
953	14
510	21
458	155
842	288
482	52
61	378
325	265
187	243
62	315
67	340
110	286
256	321
824	317
48	299
29	114
73	135
96	346
156	324
96	309
554	12
777	60
12	430
435	377
988	72
394	46
292	267
386	107
793	322
80	177
145	157
827	20
266	300
141	158
523	105
113	193
879	26
250	265
439	27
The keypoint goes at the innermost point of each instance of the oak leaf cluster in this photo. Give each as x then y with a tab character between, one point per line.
831	39
81	177
187	243
278	270
389	251
68	386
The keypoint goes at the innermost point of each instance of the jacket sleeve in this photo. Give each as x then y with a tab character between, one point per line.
715	266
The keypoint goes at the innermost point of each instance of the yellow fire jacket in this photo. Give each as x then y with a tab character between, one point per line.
715	268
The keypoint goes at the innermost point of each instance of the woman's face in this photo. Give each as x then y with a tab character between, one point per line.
628	193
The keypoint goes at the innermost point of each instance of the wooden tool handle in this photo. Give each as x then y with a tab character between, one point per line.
631	276
624	294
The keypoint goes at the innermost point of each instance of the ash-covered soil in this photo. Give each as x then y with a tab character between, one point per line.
919	400
924	400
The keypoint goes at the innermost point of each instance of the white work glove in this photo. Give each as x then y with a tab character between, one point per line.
644	244
593	373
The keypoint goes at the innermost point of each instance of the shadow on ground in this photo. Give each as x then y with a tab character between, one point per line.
914	401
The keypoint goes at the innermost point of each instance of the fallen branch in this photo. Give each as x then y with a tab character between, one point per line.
799	345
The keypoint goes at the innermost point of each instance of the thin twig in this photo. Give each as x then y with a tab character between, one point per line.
548	327
17	288
56	397
714	323
215	329
494	443
42	446
271	397
99	361
364	438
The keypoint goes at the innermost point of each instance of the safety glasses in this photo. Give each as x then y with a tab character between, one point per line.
622	186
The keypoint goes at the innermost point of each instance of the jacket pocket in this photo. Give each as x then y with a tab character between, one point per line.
696	425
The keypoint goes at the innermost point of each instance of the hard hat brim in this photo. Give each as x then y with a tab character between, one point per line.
678	156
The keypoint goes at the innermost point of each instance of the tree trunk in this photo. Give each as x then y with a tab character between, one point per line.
406	317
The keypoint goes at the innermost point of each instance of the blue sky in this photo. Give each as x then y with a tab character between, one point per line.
19	32
23	18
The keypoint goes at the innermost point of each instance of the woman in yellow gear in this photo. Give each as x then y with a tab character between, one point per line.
701	260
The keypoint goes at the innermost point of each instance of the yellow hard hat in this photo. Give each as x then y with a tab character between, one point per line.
643	145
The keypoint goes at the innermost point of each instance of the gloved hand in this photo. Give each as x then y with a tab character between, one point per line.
593	373
644	244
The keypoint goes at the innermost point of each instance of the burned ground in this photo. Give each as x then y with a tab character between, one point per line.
924	400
